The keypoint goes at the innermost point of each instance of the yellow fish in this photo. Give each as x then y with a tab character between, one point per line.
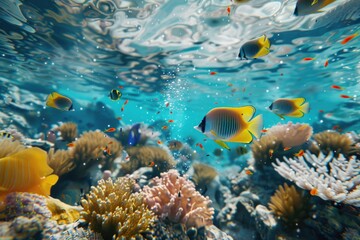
231	125
58	101
26	171
305	7
290	107
255	48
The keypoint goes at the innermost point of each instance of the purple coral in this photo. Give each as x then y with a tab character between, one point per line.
175	198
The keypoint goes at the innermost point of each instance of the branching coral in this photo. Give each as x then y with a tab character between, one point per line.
290	134
8	147
61	161
146	156
328	141
89	151
68	131
203	175
175	198
112	209
328	177
289	205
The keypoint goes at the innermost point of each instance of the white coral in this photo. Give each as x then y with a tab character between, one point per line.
291	134
335	179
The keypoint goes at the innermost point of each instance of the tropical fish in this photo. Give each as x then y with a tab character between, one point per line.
126	102
213	73
231	125
326	63
200	145
151	164
248	172
26	171
313	191
300	153
337	87
70	144
295	107
58	101
308	59
115	94
228	9
171	121
167	104
159	142
305	7
345	96
348	38
164	127
110	130
271	152
175	145
255	48
134	135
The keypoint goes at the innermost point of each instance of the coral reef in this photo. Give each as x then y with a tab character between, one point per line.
8	147
203	175
89	151
290	205
330	178
68	131
147	156
290	134
61	212
335	142
174	198
61	161
113	210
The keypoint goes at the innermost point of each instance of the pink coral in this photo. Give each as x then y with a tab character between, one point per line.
290	134
175	198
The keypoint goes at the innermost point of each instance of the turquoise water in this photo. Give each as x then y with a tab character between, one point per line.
162	53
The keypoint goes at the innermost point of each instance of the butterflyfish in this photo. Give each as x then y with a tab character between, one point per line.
115	94
58	101
290	107
255	48
305	7
226	124
26	171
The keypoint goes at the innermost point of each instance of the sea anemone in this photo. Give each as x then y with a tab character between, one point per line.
289	205
112	209
174	198
329	141
266	150
68	131
61	161
146	156
8	147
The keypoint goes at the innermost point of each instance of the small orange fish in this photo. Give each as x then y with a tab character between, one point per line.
151	164
164	128
171	121
70	144
200	145
271	151
213	73
248	172
300	153
337	87
119	118
126	102
308	59
345	96
287	148
264	130
228	10
348	38
122	109
321	111
313	192
121	87
106	151
110	130
159	142
167	104
326	63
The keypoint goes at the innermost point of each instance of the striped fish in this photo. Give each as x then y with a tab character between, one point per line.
26	171
231	125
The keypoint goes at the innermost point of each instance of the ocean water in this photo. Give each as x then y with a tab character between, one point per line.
160	55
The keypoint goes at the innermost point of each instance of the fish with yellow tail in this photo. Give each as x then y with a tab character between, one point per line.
26	171
58	101
255	48
295	107
305	7
227	124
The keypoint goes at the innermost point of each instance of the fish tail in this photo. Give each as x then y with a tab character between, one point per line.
256	125
304	108
327	2
47	183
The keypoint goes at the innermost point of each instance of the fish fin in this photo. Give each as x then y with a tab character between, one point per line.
262	52
50	100
280	116
298	101
327	2
296	113
222	144
47	183
255	126
265	42
246	112
38	159
213	133
304	108
241	136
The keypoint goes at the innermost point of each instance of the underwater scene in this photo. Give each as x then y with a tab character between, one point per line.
180	119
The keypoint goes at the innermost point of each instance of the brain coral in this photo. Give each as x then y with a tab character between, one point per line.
174	198
114	211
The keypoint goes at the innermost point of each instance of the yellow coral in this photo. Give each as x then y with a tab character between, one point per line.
8	147
289	205
144	156
68	131
61	161
203	175
113	210
89	150
332	142
63	213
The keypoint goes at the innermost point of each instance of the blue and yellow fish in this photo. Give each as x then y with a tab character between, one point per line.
255	48
295	107
228	124
115	94
58	101
305	7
